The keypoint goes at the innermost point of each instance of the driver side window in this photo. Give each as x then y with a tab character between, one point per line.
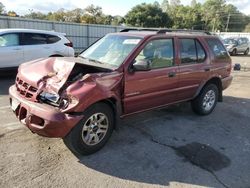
159	53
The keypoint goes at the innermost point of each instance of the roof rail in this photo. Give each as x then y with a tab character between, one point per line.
162	31
135	29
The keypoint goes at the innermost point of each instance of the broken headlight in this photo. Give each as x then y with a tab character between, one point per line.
56	100
50	98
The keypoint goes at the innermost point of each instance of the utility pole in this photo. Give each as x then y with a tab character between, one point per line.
228	19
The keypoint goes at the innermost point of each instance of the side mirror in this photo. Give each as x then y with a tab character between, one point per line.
142	65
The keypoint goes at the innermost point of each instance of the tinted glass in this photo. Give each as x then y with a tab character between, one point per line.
33	39
111	49
9	39
159	52
188	51
200	52
217	48
52	39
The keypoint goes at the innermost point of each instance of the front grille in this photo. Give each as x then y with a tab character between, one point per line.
25	89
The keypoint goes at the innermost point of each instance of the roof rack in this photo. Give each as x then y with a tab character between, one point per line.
163	31
135	29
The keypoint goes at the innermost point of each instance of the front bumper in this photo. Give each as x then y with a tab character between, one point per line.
226	82
42	119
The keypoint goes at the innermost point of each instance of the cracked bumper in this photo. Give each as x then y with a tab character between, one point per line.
42	119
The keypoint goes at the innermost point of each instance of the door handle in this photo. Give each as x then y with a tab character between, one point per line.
207	69
17	49
171	74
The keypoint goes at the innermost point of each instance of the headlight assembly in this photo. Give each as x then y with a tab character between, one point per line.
64	102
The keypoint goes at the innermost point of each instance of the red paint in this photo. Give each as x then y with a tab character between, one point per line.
132	92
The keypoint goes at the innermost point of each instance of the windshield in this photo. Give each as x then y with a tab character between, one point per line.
229	41
111	49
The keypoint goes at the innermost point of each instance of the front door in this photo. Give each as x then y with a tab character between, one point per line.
10	52
157	86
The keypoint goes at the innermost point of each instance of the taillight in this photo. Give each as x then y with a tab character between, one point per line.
69	44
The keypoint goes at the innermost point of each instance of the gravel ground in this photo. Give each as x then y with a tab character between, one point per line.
167	147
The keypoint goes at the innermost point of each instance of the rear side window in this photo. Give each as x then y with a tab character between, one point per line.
38	39
11	39
191	51
217	48
33	39
52	39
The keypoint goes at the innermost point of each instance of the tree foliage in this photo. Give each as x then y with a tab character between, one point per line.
213	15
2	8
147	15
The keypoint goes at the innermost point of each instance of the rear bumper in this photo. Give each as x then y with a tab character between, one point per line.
42	119
226	82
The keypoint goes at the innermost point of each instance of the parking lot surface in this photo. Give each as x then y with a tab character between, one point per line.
166	147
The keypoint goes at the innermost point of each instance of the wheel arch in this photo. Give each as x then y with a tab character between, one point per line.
115	106
216	81
56	55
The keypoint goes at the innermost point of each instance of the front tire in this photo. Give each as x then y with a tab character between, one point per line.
93	131
206	101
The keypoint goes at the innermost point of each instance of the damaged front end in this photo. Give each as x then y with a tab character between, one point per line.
47	92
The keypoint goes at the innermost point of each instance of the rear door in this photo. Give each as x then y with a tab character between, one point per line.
35	46
11	53
156	87
194	68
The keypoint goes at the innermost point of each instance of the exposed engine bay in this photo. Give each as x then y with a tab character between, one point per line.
78	72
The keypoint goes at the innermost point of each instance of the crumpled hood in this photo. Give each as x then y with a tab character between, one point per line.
50	72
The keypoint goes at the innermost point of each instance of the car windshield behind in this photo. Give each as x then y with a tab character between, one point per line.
229	41
111	49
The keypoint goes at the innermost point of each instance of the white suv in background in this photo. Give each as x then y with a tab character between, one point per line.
22	45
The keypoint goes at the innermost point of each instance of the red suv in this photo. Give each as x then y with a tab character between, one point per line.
80	99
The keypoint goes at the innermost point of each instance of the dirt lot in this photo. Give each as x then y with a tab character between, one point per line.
168	147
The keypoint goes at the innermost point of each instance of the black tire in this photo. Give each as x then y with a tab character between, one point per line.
56	55
75	141
198	102
246	52
234	52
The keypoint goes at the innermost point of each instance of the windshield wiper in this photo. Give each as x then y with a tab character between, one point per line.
96	61
93	60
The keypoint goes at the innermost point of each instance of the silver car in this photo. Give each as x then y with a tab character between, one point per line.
22	45
237	45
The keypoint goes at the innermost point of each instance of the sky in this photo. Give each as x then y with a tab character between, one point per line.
113	7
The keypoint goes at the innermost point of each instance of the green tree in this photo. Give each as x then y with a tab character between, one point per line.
234	20
118	20
93	15
165	5
184	17
147	15
36	15
2	8
74	15
212	11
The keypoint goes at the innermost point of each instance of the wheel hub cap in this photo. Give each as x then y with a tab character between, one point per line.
95	128
209	100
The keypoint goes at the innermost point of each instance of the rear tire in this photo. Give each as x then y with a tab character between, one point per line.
206	101
93	131
246	52
234	52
